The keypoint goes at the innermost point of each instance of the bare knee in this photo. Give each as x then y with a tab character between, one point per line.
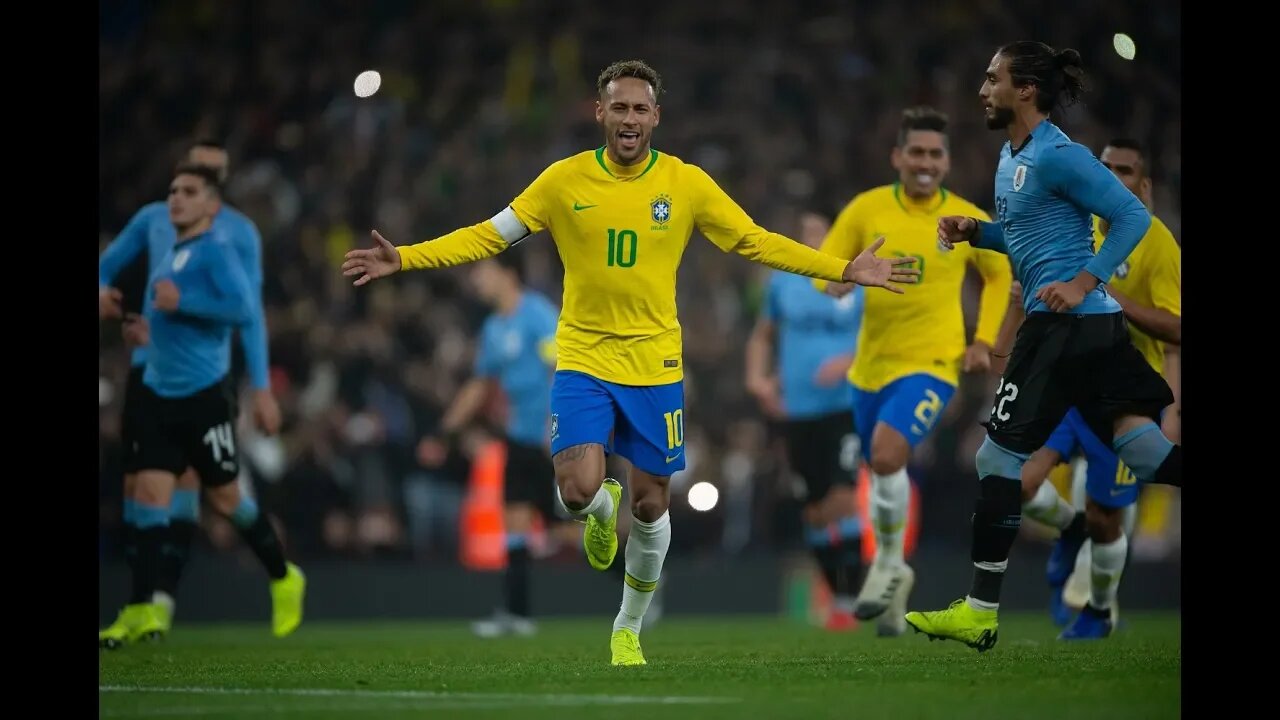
650	495
1104	524
579	473
889	450
224	499
153	487
815	515
189	480
1035	471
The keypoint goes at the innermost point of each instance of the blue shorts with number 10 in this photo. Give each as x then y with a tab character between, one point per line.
911	405
1108	481
644	424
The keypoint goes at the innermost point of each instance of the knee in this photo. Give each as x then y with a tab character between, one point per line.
1103	524
224	499
992	459
576	488
888	454
814	515
650	500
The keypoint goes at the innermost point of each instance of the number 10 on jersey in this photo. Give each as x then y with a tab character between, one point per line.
622	248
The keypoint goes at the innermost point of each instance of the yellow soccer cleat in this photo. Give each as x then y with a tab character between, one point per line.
961	621
136	622
601	539
286	601
625	645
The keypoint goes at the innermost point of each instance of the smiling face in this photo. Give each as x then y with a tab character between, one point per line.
628	110
922	162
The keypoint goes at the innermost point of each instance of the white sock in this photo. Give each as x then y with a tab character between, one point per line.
890	495
1130	518
1049	508
163	599
995	567
600	507
646	549
1079	480
1108	564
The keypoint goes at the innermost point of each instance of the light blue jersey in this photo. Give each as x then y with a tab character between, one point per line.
1047	193
812	328
150	230
518	350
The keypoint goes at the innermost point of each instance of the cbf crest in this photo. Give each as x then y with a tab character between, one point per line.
555	425
1019	177
1122	272
660	211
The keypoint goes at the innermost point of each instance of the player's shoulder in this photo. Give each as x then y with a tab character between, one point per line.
1053	147
871	200
1161	237
235	221
153	212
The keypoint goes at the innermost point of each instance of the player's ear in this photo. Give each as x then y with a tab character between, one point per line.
657	114
895	157
599	112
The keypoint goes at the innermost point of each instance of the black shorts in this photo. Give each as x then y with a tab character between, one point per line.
1065	360
530	478
823	451
197	431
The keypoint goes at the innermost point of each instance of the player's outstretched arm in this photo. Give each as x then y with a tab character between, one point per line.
954	229
459	247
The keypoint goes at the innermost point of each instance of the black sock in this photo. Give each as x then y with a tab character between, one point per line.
828	557
850	577
1170	471
149	559
129	543
997	516
516	581
176	551
261	536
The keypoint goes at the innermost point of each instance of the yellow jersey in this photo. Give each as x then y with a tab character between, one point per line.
1151	276
621	232
923	330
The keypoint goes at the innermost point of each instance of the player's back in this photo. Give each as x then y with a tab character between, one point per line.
1049	237
923	329
519	349
1151	276
812	328
191	351
621	233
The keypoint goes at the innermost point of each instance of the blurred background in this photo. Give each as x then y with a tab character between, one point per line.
790	107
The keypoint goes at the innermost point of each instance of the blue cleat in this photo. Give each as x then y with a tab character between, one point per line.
1090	624
1059	610
1062	560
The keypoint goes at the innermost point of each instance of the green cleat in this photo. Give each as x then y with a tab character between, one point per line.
286	601
961	621
601	539
136	622
625	645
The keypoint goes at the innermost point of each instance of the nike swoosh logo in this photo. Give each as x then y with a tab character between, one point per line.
673	458
577	207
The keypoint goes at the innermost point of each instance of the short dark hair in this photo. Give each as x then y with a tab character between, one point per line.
921	117
210	143
1127	143
1057	74
511	261
204	172
638	69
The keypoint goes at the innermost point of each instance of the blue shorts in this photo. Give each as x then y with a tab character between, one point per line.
911	405
644	424
1108	482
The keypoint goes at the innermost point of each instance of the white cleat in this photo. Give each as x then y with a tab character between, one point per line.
878	590
894	621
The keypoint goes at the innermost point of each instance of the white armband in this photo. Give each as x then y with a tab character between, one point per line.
509	226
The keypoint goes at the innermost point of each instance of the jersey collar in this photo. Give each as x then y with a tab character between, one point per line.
625	172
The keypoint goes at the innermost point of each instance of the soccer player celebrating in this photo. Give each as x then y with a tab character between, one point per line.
1148	286
814	337
198	293
912	349
1074	348
621	217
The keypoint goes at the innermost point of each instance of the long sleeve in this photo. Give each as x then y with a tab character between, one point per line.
1078	176
990	236
231	300
459	247
131	241
730	228
845	238
253	336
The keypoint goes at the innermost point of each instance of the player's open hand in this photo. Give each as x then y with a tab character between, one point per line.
872	271
166	295
954	229
372	263
1061	296
109	300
